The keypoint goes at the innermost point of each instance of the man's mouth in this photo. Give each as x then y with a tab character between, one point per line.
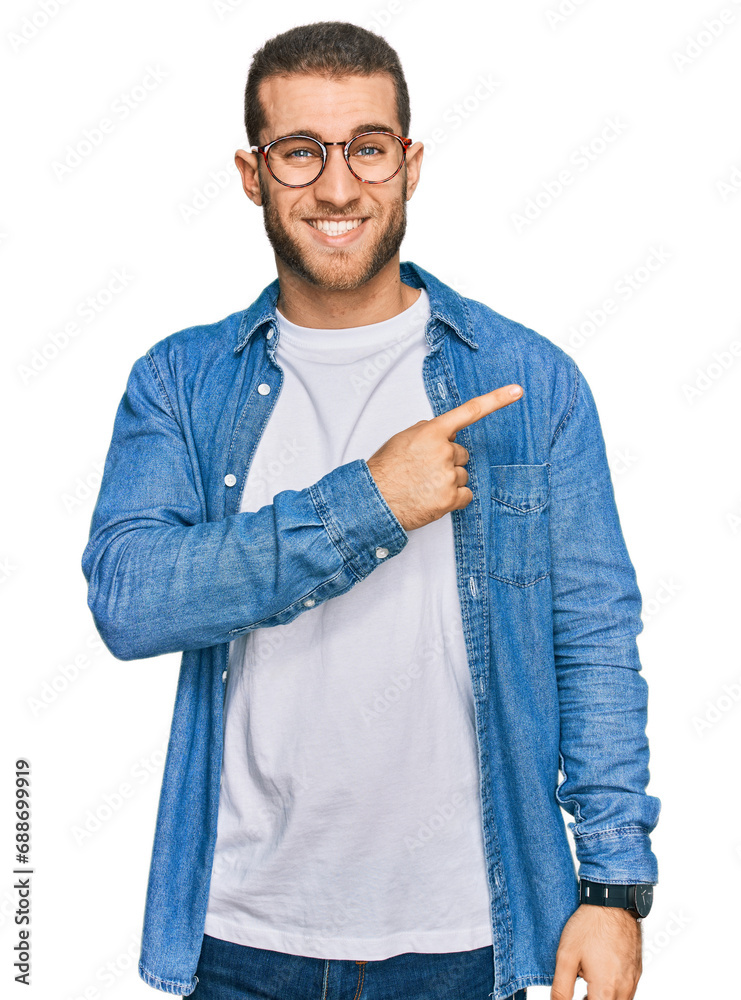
335	228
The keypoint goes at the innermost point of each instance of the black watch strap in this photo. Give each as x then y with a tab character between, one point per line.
637	898
607	895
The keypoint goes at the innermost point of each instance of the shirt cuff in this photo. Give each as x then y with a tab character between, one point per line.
621	856
358	520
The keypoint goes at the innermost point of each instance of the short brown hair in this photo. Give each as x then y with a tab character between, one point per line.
333	48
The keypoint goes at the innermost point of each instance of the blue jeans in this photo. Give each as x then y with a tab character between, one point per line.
228	971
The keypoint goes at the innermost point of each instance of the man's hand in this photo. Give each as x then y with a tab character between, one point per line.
602	945
420	471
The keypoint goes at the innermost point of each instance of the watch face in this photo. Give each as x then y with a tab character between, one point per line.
644	899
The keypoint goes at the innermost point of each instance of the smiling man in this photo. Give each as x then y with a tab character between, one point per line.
377	518
336	232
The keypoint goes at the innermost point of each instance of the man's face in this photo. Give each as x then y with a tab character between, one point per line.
333	110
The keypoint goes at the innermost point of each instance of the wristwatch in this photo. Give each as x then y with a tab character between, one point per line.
636	898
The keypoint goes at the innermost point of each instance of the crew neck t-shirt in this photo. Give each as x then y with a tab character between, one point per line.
350	819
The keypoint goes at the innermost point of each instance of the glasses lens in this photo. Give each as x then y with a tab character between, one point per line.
295	160
375	156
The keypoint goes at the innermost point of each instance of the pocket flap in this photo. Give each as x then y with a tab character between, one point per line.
524	487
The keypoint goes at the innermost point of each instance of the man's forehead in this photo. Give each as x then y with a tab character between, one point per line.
313	104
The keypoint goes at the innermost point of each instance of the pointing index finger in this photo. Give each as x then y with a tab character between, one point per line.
477	407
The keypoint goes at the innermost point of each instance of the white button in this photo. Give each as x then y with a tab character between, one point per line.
309	602
263	388
381	553
230	479
223	676
269	334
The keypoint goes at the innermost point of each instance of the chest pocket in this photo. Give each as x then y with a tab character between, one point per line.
519	542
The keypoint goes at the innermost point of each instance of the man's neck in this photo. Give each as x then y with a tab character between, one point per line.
381	298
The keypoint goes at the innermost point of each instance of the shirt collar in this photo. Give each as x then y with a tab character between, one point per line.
446	305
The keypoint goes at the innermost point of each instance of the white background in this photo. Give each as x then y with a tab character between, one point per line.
662	368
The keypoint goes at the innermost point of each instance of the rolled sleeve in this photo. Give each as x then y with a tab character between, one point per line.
603	697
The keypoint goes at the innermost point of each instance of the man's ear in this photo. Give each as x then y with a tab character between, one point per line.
414	165
247	165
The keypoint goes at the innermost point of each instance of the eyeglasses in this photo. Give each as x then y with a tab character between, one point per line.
298	160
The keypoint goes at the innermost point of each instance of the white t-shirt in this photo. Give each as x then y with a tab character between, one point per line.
350	815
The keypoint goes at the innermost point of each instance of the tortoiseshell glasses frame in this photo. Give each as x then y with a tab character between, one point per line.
265	150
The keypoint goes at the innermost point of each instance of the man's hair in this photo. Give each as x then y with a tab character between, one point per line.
332	48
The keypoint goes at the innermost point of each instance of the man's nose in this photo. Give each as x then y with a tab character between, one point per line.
336	184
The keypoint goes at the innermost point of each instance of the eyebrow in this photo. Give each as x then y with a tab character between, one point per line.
365	127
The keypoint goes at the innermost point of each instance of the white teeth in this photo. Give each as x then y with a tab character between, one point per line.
334	228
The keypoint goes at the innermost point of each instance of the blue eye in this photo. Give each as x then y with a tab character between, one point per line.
308	152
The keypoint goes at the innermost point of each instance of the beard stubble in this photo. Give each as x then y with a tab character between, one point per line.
340	269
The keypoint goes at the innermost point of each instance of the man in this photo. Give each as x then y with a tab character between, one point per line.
361	795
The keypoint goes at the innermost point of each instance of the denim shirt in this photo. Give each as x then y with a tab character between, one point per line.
549	602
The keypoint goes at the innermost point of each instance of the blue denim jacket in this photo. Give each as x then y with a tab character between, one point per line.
548	594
